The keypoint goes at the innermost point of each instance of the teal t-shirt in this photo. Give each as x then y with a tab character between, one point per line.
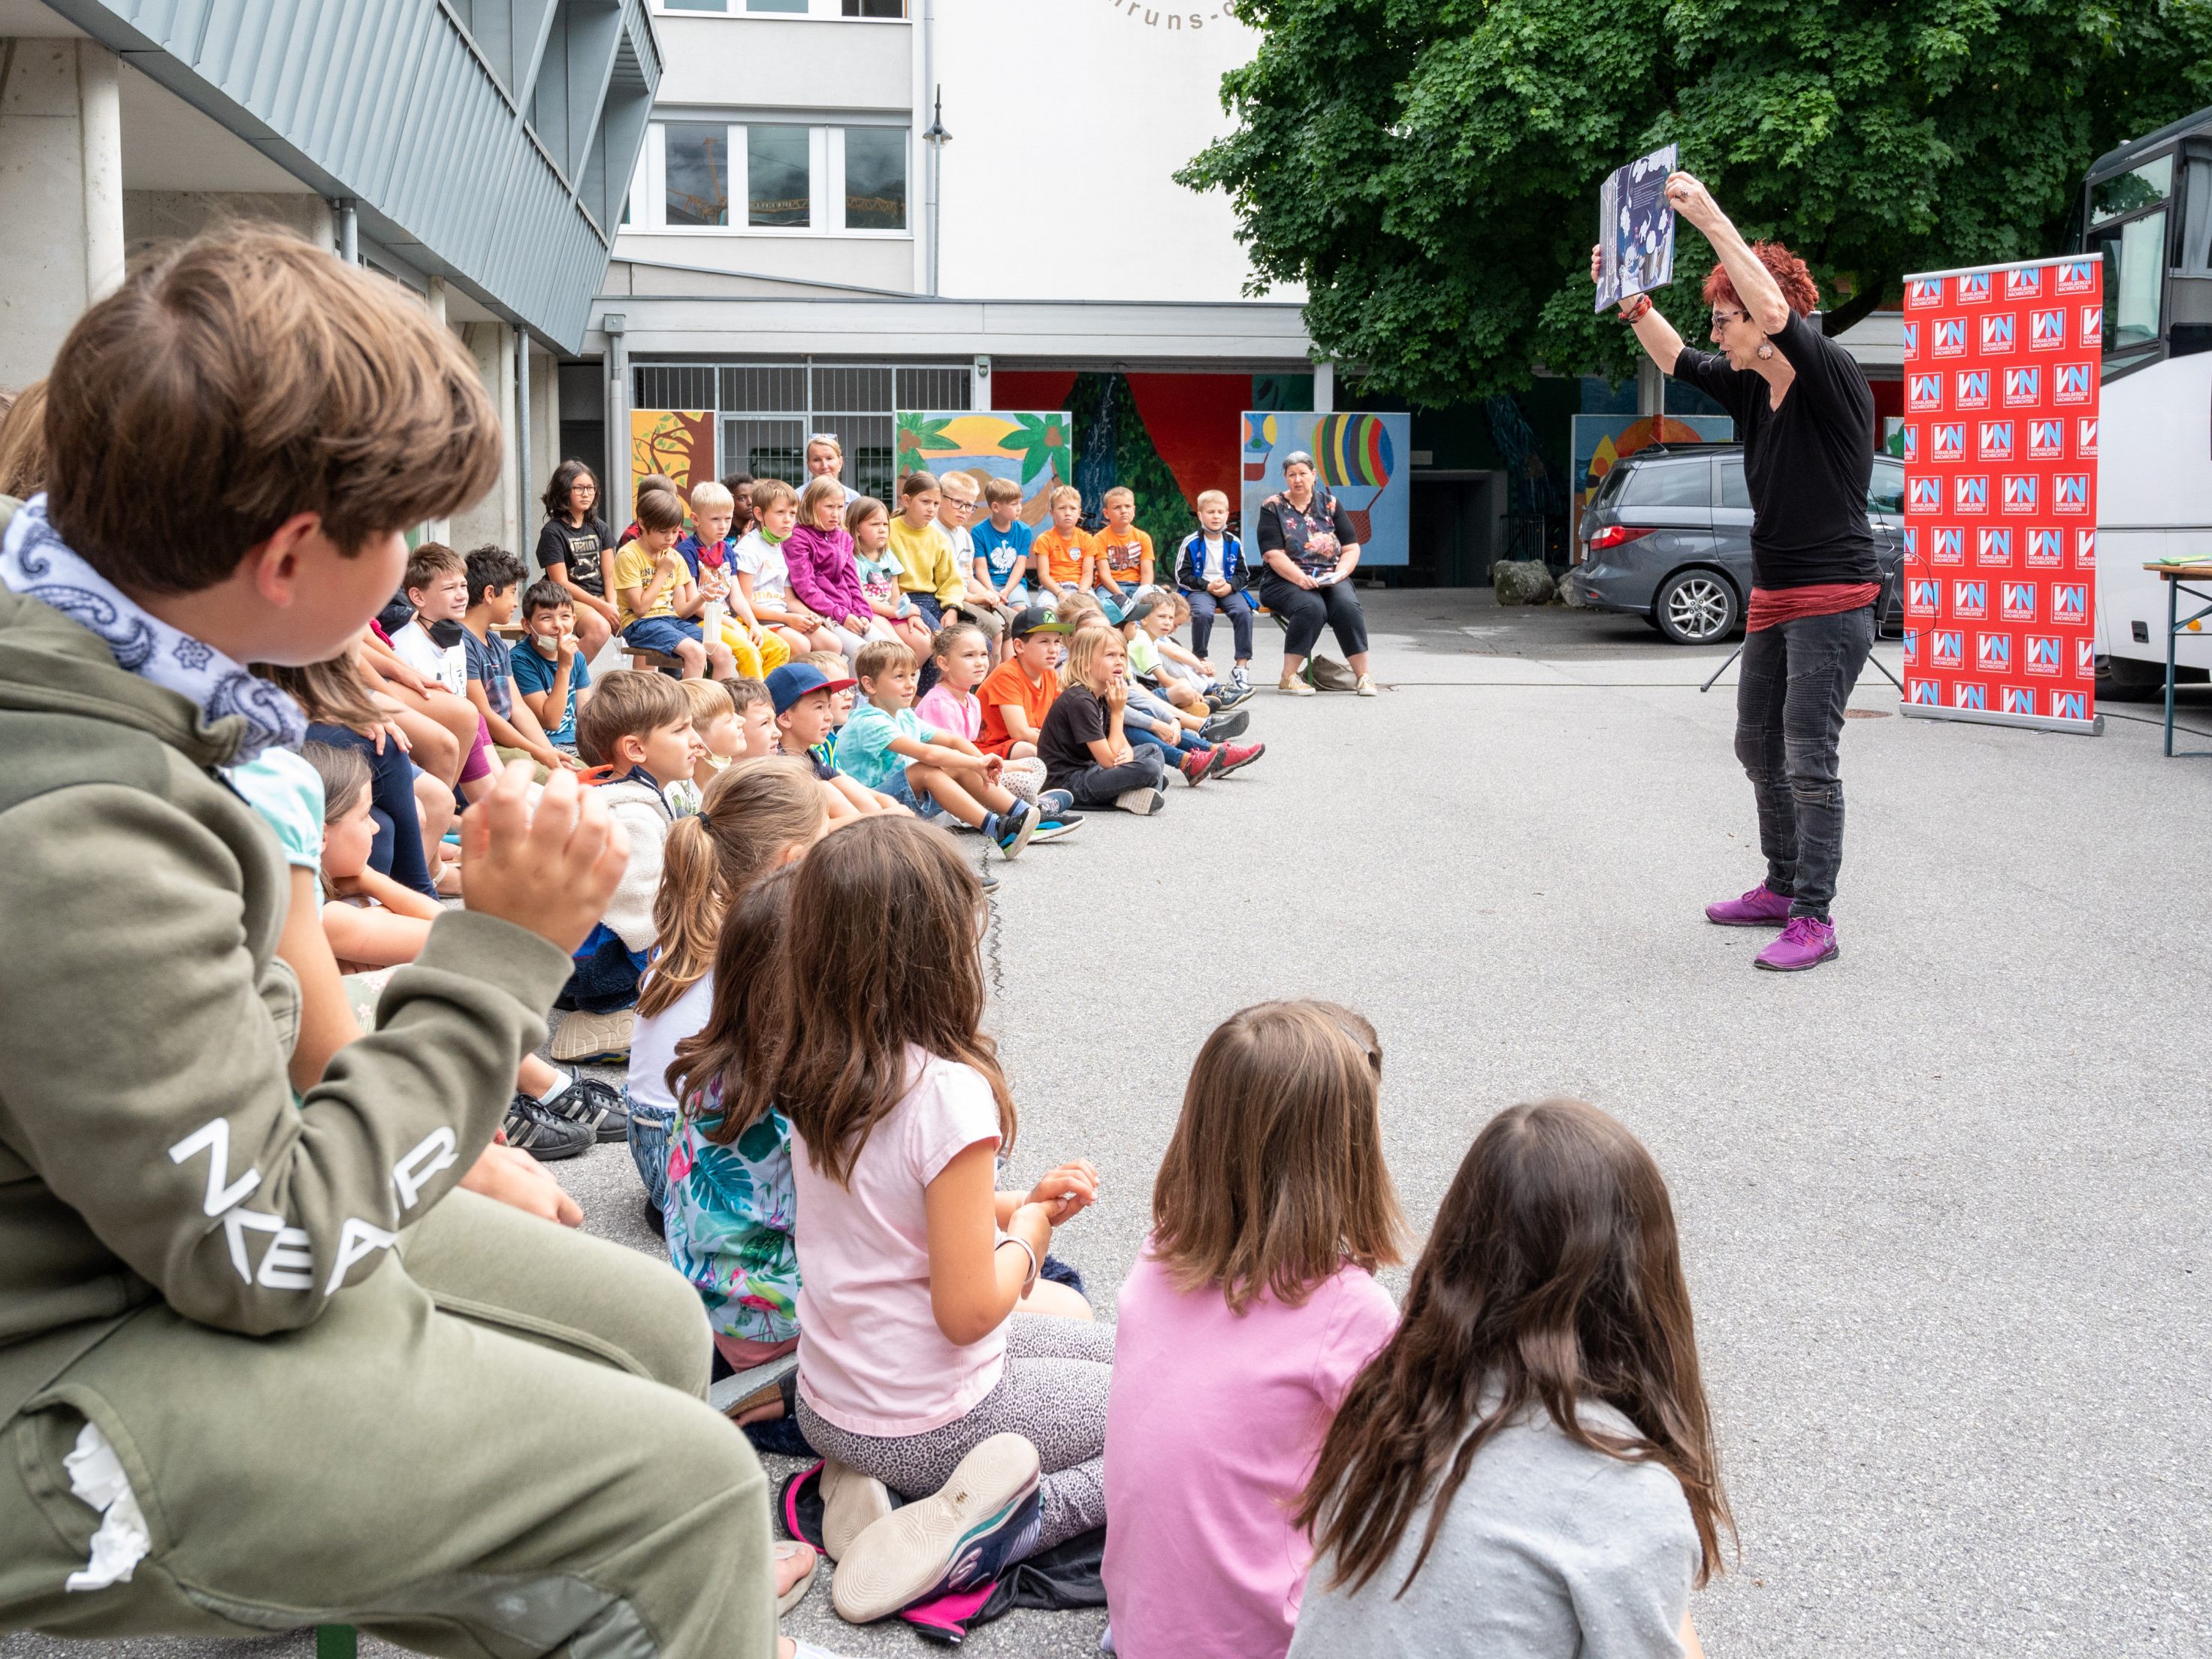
288	793
864	745
533	672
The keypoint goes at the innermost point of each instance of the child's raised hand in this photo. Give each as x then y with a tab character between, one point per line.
1065	1193
551	871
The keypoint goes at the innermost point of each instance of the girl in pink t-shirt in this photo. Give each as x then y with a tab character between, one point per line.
1250	1311
963	655
928	1361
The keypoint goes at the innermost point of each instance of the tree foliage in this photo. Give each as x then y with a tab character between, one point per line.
1428	169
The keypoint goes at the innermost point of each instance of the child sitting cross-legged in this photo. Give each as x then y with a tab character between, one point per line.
636	731
1147	720
805	701
867	521
928	1361
963	655
494	576
1176	667
1190	731
724	614
1086	749
758	815
656	596
370	923
819	561
1251	1308
1017	694
887	748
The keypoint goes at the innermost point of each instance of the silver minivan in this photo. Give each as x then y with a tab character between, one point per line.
1668	538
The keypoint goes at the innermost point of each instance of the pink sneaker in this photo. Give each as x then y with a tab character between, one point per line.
1762	907
1806	942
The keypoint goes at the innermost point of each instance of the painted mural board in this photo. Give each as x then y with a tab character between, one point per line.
1599	440
1031	447
1362	456
677	443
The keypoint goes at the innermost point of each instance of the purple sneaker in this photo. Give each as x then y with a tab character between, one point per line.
1806	942
1762	907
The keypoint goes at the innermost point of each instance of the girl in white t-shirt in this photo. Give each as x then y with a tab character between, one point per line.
927	1361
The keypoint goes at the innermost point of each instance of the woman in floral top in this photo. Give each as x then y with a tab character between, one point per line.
1306	540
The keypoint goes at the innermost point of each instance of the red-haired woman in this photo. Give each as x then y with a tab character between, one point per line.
1807	420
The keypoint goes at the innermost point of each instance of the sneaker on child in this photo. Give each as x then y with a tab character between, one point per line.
543	1132
1762	907
1144	801
597	1106
971	1529
1236	755
1806	942
1222	727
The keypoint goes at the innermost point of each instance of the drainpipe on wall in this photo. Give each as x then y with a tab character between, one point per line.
349	231
100	103
934	136
522	429
615	487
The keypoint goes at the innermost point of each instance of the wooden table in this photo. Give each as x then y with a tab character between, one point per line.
2177	578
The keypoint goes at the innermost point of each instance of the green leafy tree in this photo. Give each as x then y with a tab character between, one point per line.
1428	169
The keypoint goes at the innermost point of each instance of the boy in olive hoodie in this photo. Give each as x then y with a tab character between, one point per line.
259	1362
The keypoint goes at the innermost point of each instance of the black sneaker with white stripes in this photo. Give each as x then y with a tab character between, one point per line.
534	1127
597	1106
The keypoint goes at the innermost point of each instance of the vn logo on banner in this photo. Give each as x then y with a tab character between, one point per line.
2001	365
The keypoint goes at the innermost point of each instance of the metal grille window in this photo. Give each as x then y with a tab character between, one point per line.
768	410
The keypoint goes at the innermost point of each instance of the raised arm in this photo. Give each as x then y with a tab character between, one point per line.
1762	296
1653	331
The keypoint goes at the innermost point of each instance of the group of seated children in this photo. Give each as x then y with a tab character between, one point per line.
1521	1461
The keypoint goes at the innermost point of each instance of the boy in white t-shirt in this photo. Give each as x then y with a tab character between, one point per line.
437	586
764	579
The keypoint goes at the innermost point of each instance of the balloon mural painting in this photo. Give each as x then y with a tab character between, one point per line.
1258	440
1352	452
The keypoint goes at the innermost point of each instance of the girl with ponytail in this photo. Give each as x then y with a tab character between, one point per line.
756	815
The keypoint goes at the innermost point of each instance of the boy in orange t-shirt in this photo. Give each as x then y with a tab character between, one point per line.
1064	556
1017	694
1124	568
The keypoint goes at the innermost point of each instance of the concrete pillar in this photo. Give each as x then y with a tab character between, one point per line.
1650	388
518	433
100	99
61	195
438	530
1324	392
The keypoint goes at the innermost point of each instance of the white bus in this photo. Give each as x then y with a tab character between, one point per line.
2147	209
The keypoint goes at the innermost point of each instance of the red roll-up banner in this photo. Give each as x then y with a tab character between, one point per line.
2000	433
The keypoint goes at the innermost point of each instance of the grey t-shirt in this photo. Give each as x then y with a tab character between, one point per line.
1549	1551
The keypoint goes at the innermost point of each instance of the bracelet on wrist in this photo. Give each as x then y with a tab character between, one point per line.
1023	1245
1637	309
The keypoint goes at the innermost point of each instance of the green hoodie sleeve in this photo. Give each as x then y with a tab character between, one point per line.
148	1085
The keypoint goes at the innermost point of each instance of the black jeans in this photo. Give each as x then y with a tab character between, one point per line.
1306	610
397	851
1789	717
1098	786
1235	604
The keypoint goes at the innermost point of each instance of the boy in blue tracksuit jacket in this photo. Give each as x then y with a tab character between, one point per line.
1210	570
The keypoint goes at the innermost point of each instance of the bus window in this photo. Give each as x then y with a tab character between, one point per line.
2147	185
2135	280
2195	254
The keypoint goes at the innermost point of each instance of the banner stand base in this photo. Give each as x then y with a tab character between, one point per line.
2092	727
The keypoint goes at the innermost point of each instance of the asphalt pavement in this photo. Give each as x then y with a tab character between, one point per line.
1943	1201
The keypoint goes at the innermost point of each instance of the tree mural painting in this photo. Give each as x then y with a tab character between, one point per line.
677	443
1032	448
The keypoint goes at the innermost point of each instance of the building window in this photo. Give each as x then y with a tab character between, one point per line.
875	8
698	170
798	6
695	5
875	177
778	182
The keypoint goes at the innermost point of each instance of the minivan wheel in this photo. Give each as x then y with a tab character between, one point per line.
1695	607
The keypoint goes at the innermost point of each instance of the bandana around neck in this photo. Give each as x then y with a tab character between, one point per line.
35	562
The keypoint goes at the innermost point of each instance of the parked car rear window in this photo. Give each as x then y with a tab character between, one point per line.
1886	489
1670	484
1735	492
